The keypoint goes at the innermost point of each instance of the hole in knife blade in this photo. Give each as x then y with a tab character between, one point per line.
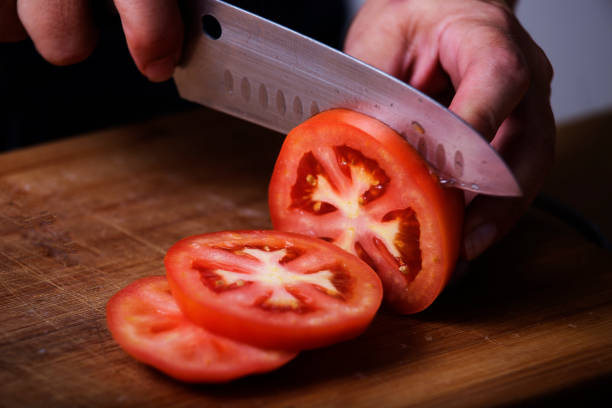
211	26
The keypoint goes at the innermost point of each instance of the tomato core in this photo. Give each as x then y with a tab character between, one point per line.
279	285
273	289
396	233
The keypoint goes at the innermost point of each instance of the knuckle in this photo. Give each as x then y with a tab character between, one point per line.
509	61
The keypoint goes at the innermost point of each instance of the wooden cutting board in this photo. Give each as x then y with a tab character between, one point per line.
82	218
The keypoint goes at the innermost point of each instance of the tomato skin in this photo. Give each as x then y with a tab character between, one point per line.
236	311
409	185
146	322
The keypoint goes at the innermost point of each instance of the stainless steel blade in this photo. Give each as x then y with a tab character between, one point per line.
259	71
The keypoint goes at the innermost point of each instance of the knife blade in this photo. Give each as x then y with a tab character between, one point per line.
257	70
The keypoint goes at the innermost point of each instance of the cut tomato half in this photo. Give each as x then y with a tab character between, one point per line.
351	180
273	289
147	323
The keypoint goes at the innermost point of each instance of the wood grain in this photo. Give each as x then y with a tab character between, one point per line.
81	218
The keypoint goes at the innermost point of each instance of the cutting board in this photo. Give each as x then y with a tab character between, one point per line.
530	321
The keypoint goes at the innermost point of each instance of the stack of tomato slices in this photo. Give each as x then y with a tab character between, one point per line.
362	214
243	302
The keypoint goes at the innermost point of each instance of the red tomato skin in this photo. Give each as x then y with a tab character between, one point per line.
439	209
269	330
192	354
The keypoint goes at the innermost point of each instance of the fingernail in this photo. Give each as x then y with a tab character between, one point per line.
160	70
479	239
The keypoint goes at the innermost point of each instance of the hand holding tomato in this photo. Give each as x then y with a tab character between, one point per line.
501	83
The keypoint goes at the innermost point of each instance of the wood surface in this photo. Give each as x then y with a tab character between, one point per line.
531	321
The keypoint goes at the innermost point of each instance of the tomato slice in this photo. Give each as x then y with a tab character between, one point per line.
273	289
348	178
147	323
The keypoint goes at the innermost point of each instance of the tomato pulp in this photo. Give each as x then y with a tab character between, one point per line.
351	180
273	289
147	323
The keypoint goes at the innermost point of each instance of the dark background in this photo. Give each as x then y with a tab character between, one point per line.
42	102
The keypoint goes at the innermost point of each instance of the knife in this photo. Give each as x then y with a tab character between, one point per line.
252	68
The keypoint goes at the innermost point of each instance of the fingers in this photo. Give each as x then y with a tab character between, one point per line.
11	28
501	81
383	37
489	71
64	33
529	151
154	33
526	142
62	30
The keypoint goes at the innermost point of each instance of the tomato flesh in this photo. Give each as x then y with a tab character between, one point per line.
147	323
351	180
273	289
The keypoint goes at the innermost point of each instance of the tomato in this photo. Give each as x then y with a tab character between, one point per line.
349	179
147	323
273	289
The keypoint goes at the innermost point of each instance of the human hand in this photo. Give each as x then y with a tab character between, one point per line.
64	31
501	83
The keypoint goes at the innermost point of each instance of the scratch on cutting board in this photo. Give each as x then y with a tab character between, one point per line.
129	234
41	276
38	377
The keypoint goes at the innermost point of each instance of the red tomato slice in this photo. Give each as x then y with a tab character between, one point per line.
273	289
147	323
348	178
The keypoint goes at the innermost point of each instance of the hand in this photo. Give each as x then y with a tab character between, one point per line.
64	31
501	83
